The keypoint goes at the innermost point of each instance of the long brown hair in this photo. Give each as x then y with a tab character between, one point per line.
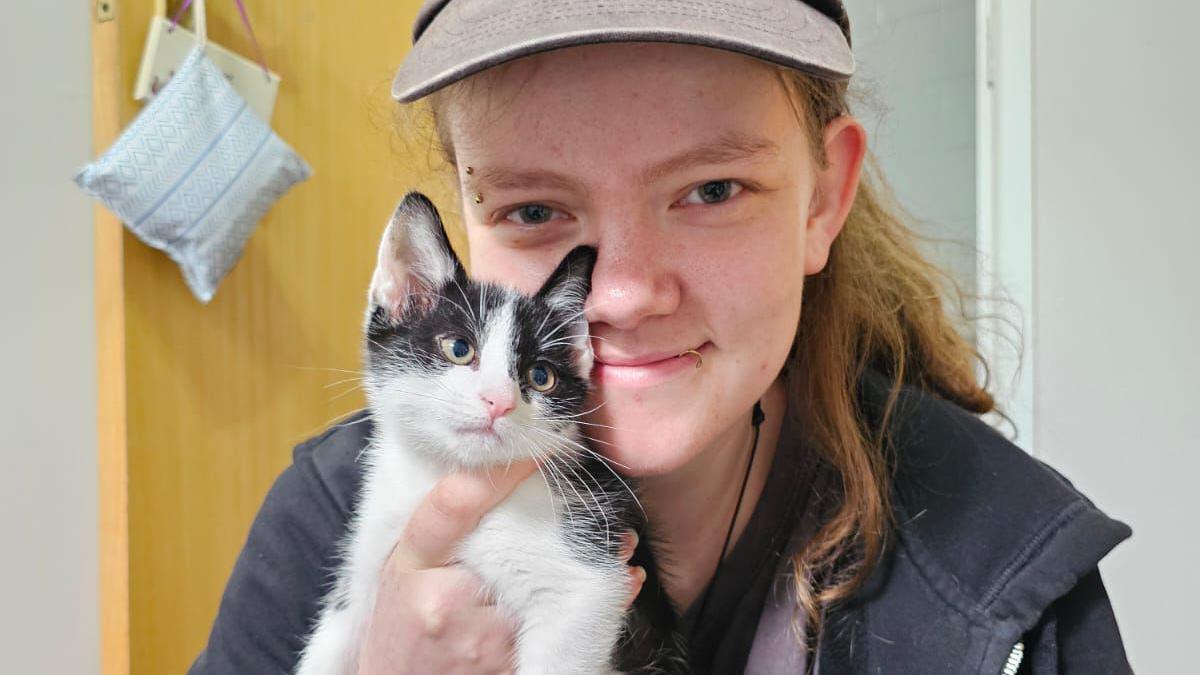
877	304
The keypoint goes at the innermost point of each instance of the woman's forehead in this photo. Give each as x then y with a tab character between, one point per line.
621	95
599	79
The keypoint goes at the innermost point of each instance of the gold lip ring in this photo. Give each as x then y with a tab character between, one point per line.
699	358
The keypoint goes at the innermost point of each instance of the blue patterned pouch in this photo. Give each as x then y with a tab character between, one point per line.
194	173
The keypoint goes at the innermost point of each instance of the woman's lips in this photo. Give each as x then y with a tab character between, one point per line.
644	371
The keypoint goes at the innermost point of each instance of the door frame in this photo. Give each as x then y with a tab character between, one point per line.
1004	216
111	430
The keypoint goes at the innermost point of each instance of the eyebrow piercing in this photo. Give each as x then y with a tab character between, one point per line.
478	197
470	170
699	359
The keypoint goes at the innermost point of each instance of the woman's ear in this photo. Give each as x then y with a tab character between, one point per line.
835	189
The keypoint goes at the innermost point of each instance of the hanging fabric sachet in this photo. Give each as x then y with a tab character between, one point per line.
168	44
195	171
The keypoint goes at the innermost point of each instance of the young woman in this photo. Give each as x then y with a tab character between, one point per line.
707	151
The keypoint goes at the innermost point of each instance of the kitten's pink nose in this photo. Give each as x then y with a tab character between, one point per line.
498	403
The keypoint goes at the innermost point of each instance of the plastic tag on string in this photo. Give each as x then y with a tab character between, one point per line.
168	44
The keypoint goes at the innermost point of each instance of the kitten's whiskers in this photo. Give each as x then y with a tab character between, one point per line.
605	461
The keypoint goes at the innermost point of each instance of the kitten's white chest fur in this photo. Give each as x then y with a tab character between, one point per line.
568	611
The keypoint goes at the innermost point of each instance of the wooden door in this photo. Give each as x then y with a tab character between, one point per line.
201	405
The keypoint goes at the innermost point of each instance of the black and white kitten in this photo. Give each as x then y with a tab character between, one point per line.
466	375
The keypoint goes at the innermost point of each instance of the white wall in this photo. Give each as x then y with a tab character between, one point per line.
916	68
1115	302
1117	294
48	519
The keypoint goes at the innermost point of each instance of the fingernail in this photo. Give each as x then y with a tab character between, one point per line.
639	575
636	579
630	546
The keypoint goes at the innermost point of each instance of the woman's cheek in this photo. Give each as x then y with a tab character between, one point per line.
752	284
768	303
524	270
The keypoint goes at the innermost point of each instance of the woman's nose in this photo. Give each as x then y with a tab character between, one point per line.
632	279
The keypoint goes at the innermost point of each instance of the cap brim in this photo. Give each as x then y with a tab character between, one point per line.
468	36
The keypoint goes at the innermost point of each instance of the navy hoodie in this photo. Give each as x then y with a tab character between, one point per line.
991	568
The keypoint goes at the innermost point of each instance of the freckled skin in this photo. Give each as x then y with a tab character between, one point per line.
670	276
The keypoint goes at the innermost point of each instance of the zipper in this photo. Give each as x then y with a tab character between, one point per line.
1013	664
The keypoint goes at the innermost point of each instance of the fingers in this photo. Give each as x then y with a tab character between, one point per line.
637	575
432	620
471	638
452	510
483	638
628	545
440	593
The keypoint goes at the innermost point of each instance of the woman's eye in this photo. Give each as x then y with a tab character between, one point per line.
531	214
457	350
713	192
542	377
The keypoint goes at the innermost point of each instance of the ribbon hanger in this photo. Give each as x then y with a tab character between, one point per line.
201	33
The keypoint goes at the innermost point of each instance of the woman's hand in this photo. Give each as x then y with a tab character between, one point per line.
430	617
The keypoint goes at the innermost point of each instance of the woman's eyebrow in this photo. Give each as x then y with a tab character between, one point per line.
508	178
728	147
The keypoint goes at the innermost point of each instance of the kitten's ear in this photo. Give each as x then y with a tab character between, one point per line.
569	285
415	260
566	290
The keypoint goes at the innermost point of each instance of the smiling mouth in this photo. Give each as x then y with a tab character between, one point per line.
646	359
650	369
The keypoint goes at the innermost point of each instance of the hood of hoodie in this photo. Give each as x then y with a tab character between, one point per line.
986	537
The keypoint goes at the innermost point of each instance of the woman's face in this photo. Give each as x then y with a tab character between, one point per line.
688	171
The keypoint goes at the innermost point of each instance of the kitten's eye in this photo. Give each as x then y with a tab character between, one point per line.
542	378
457	350
531	214
713	192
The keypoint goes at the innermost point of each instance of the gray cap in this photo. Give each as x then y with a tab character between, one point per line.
456	38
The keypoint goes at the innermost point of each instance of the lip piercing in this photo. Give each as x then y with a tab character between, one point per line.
699	359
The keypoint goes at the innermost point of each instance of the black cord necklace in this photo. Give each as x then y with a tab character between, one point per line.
756	419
